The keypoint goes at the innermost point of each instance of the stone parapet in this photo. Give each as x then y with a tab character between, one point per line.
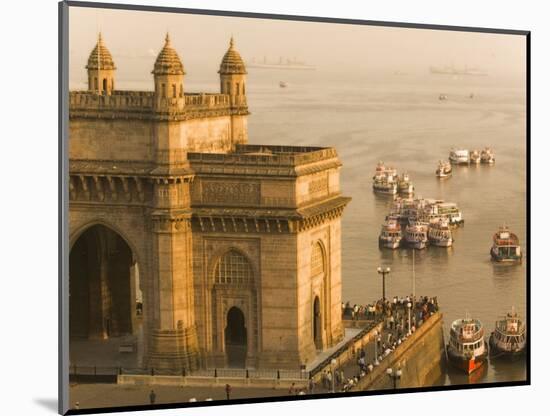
141	105
266	158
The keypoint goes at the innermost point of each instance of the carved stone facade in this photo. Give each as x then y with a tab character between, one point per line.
238	246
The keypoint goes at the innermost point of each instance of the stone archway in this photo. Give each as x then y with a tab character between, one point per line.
235	338
102	285
317	325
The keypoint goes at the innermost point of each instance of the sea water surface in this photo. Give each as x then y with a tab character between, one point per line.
401	121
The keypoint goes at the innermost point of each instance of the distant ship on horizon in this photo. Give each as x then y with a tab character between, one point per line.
287	63
452	70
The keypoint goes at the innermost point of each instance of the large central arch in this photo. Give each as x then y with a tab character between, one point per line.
102	285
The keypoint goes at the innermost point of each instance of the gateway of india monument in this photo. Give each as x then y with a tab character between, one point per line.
205	250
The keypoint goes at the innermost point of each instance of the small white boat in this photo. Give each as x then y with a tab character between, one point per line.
384	180
439	233
444	170
506	247
459	156
508	339
390	235
451	211
467	349
416	235
384	186
487	156
405	185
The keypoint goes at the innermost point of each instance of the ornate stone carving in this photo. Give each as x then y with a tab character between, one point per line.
84	183
112	187
99	188
72	189
126	188
231	193
318	186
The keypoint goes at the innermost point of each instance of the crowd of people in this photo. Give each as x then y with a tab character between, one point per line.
384	306
396	328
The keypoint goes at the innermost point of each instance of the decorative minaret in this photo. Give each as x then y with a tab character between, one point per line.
101	69
168	73
233	74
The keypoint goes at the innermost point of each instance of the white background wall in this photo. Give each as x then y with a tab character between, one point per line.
28	273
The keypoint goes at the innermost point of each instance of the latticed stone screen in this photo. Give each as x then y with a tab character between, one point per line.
317	260
234	269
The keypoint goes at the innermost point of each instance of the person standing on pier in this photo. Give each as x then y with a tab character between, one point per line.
310	385
152	397
291	390
227	391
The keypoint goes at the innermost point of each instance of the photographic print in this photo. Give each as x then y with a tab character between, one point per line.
274	208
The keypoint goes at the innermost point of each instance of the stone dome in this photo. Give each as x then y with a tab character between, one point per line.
168	62
100	55
232	63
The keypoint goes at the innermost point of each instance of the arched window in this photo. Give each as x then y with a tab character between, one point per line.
317	260
95	84
181	90
233	269
174	93
228	88
163	90
237	89
244	92
104	84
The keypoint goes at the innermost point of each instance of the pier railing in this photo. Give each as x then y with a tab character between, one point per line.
346	351
105	374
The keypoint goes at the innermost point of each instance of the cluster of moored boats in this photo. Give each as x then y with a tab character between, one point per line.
420	222
464	157
472	157
386	180
468	350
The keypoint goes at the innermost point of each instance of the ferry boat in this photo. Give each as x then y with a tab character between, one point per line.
487	156
383	171
506	246
508	338
384	186
416	235
439	233
475	157
405	185
444	170
384	180
467	349
451	211
459	157
390	235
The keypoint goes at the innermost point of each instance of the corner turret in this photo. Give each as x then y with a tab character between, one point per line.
232	73
101	69
168	73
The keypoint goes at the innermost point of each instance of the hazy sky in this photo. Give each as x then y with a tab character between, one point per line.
135	37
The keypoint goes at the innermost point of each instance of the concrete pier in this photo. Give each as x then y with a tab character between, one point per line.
420	358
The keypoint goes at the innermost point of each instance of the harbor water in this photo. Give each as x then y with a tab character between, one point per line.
401	121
